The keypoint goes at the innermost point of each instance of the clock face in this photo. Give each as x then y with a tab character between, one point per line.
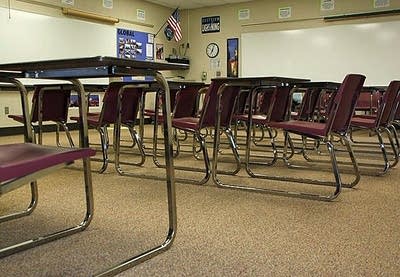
212	50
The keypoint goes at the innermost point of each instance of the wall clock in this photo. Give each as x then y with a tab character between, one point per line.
212	50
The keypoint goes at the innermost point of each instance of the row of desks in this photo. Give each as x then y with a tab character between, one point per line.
73	70
95	67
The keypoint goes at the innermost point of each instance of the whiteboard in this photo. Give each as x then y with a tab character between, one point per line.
325	53
27	36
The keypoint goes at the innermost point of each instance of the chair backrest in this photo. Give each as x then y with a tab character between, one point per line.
344	103
389	104
264	100
273	102
186	101
55	104
396	113
368	101
280	104
242	101
130	103
228	100
309	103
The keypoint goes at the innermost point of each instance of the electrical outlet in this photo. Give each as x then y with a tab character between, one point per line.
6	110
203	76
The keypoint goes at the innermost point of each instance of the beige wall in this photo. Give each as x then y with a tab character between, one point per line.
263	17
125	10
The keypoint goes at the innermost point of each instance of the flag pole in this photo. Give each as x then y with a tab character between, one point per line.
165	22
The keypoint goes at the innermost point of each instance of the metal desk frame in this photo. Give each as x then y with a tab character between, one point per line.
74	69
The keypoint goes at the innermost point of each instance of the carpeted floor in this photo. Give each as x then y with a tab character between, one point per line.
221	232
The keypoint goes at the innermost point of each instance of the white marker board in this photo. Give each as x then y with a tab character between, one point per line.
325	53
27	36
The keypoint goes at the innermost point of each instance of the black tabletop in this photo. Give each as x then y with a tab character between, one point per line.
89	67
323	85
264	80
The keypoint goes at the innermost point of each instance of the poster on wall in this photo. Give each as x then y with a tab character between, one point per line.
93	100
232	57
134	45
160	51
210	24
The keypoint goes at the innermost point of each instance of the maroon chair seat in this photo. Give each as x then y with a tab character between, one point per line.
186	105
367	122
314	130
368	101
217	92
187	123
54	103
120	108
92	119
22	159
308	104
336	123
382	123
23	164
151	113
276	109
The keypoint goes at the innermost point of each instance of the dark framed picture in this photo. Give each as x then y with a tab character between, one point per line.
232	57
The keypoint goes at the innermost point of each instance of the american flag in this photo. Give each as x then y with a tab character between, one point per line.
174	23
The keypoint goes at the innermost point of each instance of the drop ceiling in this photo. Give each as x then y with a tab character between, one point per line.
193	4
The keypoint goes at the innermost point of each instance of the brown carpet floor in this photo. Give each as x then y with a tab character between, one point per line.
221	232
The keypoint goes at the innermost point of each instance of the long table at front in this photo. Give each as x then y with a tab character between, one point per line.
96	67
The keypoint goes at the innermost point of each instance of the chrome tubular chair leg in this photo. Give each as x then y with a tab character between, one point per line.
58	134
396	137
104	147
84	142
384	153
170	195
304	149
32	205
29	136
206	160
338	187
250	140
343	138
393	146
68	134
234	148
356	171
137	141
62	233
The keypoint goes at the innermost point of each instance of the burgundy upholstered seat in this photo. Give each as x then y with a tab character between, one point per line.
337	123
22	159
382	123
338	120
130	101
386	111
55	106
226	96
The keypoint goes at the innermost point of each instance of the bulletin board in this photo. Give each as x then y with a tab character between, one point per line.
135	45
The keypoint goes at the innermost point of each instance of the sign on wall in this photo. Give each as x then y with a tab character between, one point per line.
210	24
327	5
134	45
